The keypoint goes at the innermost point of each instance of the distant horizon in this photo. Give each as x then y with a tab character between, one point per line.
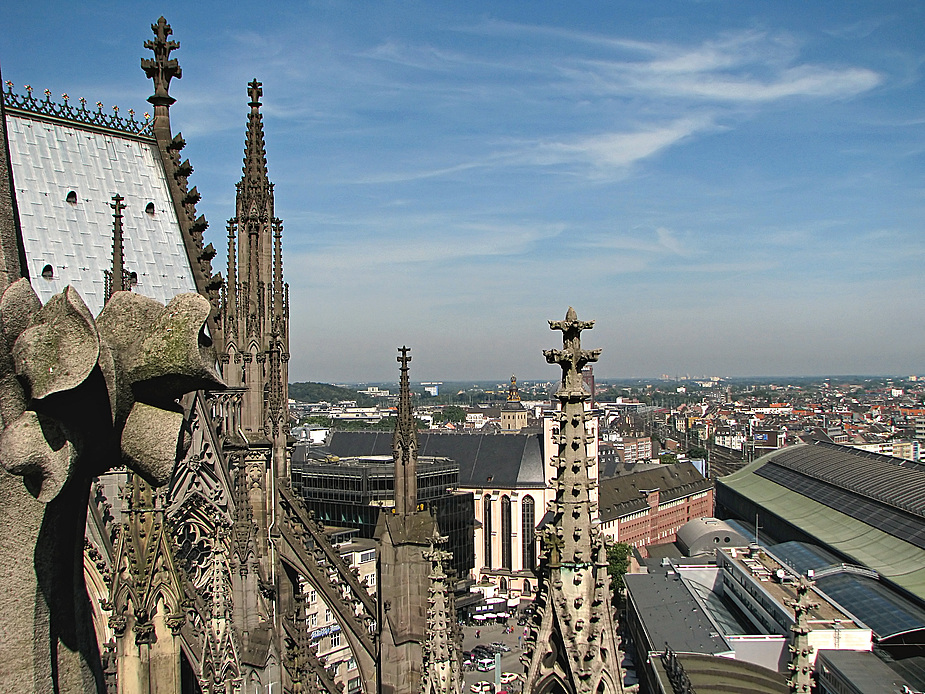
598	378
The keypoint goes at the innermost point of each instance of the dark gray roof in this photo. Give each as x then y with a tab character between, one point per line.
864	670
671	614
507	461
624	494
885	492
892	481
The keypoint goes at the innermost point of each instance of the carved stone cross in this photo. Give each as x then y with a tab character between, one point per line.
572	358
161	68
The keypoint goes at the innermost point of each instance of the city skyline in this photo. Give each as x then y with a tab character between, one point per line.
726	189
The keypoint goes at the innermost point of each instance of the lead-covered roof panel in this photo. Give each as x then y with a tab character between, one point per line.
73	239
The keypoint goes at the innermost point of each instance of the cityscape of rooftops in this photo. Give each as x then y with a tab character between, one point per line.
721	487
726	188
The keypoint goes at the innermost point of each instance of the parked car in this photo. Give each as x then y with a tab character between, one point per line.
482	651
500	647
482	687
508	677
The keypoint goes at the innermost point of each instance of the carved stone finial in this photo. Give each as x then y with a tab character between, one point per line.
572	358
162	68
255	92
256	178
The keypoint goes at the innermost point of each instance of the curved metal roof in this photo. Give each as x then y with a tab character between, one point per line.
863	541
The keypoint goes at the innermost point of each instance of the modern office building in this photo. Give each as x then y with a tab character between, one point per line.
352	491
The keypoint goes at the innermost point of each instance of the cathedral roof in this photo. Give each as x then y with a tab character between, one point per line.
68	237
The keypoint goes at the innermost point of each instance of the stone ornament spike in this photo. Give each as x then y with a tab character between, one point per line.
405	443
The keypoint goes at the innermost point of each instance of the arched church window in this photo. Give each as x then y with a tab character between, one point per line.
506	532
194	549
528	532
486	529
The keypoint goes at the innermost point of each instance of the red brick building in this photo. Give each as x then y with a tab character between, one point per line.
647	506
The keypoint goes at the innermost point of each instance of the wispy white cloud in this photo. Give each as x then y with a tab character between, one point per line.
422	57
618	149
420	241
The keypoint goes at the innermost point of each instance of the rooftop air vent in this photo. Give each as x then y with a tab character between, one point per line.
71	198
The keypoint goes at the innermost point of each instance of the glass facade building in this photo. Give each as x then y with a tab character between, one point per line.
351	492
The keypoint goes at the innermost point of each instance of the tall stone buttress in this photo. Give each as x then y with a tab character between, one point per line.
571	647
254	361
405	585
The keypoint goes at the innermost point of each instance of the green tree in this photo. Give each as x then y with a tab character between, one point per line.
696	452
454	413
618	562
668	458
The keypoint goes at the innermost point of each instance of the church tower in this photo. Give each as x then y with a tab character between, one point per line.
407	576
571	648
513	414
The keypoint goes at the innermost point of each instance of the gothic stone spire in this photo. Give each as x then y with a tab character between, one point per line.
255	307
571	646
255	155
405	445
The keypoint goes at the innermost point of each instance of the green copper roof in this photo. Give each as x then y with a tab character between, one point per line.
901	562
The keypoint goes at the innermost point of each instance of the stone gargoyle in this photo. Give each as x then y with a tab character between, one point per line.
78	397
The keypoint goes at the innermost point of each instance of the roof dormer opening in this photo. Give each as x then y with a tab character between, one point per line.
48	272
71	198
149	209
132	280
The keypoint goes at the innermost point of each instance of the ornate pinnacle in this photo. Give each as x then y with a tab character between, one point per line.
118	258
162	68
405	444
255	156
572	358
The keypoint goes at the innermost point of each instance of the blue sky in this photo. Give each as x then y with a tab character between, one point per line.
727	188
